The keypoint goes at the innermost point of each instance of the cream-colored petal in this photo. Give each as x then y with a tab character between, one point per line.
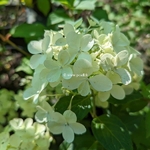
103	96
70	116
35	47
84	88
101	83
117	92
55	128
68	134
78	128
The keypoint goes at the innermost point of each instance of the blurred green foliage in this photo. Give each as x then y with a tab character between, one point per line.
133	16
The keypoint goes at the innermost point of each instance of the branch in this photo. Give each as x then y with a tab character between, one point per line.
5	39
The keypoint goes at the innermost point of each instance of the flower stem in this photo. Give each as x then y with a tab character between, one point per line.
94	114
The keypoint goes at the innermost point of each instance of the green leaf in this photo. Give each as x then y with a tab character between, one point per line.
86	142
133	102
131	122
99	14
43	6
81	106
66	146
147	124
132	97
24	66
78	23
137	105
63	104
140	139
35	30
57	16
145	90
85	4
68	3
3	2
111	133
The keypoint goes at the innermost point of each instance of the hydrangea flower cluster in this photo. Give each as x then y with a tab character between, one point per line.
28	135
57	123
95	61
98	59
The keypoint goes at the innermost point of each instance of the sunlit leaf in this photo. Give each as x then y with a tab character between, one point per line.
110	129
28	30
81	106
44	6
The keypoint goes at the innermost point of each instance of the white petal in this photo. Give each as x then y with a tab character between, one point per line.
119	39
114	77
37	59
28	93
44	74
85	55
101	83
70	116
40	116
128	89
117	92
121	58
54	84
67	72
63	57
46	107
36	98
68	134
56	36
45	43
61	42
39	128
105	56
54	75
123	40
86	42
125	75
55	128
73	40
83	66
136	65
99	103
108	26
51	64
103	96
68	28
78	128
16	123
35	47
72	83
101	38
84	88
14	141
57	117
28	123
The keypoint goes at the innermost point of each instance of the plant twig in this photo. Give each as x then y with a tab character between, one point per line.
5	39
94	108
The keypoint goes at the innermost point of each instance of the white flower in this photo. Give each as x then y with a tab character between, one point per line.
38	48
42	111
79	45
59	68
119	40
81	81
135	64
65	124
